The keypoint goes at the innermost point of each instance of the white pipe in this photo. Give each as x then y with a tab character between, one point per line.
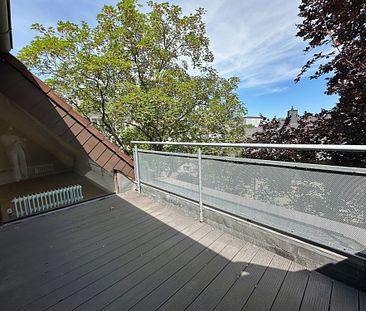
6	42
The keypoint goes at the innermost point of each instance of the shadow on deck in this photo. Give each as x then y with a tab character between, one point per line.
130	252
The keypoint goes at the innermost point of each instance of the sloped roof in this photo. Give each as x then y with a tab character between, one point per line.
79	130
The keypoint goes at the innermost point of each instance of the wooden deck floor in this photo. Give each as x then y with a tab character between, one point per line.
129	252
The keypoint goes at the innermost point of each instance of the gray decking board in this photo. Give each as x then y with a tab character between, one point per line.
130	297
317	293
265	292
69	283
147	256
82	278
292	290
72	216
241	290
161	294
114	274
213	293
69	244
362	300
60	272
77	235
188	293
90	283
65	222
69	225
343	298
131	280
61	261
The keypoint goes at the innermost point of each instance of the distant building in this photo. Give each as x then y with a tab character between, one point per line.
256	120
293	114
253	120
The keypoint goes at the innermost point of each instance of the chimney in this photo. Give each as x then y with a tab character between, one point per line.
293	115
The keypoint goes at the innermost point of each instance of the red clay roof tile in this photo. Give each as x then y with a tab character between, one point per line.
105	157
90	144
97	151
82	137
112	162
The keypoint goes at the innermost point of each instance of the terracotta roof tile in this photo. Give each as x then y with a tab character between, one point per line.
82	137
95	132
59	101
97	151
79	118
90	144
76	129
105	157
129	172
121	166
109	166
60	111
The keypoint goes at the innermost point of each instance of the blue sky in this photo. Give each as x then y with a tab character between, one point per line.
252	39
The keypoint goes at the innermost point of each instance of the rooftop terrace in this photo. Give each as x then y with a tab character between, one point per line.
130	252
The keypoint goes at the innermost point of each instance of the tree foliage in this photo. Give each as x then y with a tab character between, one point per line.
339	29
135	69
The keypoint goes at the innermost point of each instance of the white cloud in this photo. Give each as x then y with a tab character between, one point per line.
252	39
271	90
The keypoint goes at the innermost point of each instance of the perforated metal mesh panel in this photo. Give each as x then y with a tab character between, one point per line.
312	202
322	206
171	172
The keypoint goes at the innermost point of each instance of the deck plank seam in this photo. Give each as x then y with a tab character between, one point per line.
231	286
190	279
192	259
303	294
131	271
228	262
127	242
283	281
257	283
191	245
74	259
132	213
90	271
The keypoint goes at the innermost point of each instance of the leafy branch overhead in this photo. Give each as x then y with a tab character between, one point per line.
134	70
339	27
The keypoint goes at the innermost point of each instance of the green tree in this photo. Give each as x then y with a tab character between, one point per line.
338	28
135	70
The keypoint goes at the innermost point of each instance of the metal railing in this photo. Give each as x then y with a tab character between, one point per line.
320	203
316	147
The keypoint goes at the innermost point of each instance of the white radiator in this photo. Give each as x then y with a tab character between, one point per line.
38	202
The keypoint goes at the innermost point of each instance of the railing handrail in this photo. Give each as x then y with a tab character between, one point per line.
316	147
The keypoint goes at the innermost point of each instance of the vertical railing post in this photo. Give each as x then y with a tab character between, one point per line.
137	170
200	183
